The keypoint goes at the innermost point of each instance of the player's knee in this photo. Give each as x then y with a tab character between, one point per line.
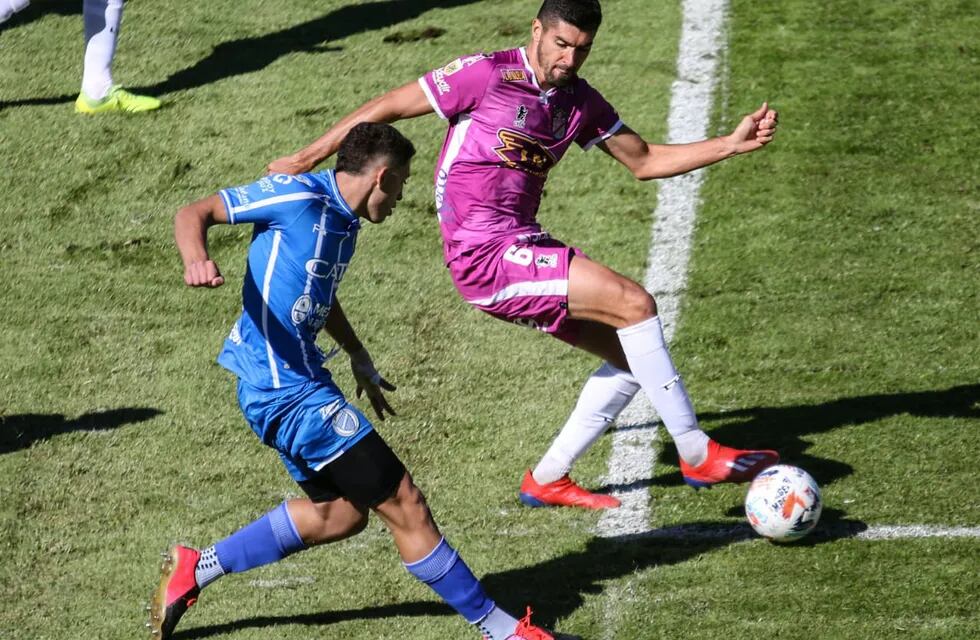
637	304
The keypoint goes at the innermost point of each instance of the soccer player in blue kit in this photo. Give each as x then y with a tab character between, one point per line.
305	229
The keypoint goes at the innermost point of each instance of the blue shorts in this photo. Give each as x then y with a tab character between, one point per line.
309	424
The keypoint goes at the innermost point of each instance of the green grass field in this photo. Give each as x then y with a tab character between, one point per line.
831	313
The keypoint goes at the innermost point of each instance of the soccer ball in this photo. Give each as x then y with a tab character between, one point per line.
783	503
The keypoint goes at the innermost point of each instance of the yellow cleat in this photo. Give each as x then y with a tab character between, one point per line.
118	99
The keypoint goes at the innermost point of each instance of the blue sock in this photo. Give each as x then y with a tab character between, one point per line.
448	575
269	539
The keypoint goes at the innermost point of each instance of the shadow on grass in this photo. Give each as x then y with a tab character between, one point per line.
785	428
21	431
247	55
556	587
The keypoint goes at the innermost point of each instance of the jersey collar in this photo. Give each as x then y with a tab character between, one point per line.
339	199
534	78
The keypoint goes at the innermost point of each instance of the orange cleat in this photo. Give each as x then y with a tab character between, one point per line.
725	464
176	593
527	631
562	493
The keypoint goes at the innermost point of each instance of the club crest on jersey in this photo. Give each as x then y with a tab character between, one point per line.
559	123
521	119
523	152
345	423
513	75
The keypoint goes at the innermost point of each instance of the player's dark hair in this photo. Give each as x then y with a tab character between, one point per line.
366	141
584	14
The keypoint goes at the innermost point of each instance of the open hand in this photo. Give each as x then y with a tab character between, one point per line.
369	381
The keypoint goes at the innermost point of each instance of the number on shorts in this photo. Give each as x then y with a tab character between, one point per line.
519	255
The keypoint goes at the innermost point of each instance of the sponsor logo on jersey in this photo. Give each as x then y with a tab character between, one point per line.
345	423
559	123
547	260
301	309
438	77
242	195
513	75
319	317
441	179
325	269
236	334
523	152
520	120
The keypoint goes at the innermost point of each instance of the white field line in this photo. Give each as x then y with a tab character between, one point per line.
830	531
632	457
631	462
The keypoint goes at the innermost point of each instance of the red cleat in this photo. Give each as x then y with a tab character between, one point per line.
178	590
562	493
527	631
725	464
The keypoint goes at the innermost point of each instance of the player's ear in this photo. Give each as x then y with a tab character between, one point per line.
536	29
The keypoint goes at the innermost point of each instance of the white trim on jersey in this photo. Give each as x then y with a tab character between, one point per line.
431	98
527	65
309	287
228	206
332	174
452	150
266	285
538	288
268	202
612	130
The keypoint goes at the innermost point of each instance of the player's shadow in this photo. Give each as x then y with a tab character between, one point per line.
556	588
21	431
785	428
247	55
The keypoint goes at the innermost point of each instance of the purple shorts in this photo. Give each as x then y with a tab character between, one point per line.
520	281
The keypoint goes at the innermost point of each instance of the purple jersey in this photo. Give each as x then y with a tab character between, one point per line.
505	134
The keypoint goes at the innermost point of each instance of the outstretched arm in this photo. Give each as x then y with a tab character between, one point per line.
648	161
407	101
368	379
191	233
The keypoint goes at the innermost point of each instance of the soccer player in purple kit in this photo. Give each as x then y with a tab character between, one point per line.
512	115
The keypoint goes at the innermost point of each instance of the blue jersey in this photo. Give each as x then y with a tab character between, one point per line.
302	243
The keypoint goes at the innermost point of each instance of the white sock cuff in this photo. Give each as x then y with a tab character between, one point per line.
651	328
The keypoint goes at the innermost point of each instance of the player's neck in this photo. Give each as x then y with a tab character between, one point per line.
354	189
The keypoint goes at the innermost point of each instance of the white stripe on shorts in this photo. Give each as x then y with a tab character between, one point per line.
525	289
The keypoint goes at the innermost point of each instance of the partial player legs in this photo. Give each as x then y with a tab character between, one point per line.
431	559
598	294
98	95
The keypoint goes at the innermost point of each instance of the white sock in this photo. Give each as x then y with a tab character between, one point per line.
208	568
498	624
646	352
102	18
604	395
10	7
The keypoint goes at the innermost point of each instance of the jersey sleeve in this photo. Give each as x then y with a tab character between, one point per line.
273	200
601	121
458	86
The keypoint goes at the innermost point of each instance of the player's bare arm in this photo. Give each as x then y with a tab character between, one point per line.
368	379
191	233
407	101
650	161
